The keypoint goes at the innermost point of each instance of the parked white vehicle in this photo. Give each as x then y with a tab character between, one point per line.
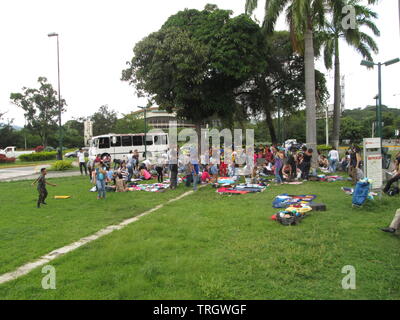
11	152
119	145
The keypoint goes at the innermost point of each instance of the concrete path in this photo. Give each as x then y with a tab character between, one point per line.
30	173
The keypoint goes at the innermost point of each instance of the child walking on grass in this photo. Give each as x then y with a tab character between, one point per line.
41	181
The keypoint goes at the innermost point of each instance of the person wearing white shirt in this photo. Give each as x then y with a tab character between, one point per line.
333	158
82	162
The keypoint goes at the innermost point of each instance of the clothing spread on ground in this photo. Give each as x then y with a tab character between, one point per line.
285	200
243	188
323	177
156	187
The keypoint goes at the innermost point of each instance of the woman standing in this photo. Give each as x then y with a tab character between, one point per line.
278	166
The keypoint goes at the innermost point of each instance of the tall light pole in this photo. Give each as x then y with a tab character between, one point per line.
376	112
145	131
60	147
371	64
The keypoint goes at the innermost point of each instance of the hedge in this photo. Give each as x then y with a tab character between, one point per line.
40	156
61	165
323	147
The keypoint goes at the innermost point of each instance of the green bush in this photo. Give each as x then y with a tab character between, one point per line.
323	147
40	156
61	165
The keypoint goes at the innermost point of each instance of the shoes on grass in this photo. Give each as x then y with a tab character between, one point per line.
391	230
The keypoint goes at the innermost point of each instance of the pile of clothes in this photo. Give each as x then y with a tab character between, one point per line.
285	200
292	215
295	207
243	188
323	177
156	187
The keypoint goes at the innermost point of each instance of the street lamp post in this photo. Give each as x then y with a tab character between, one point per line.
371	64
376	112
60	154
145	131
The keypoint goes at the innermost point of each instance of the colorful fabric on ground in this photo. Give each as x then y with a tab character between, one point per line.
156	187
284	200
323	177
227	180
242	189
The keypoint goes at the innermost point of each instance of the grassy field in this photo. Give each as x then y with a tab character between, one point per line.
204	246
27	233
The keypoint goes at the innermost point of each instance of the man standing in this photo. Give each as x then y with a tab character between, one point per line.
82	162
41	181
194	161
173	166
395	225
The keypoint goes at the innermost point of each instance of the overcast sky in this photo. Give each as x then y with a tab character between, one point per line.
97	38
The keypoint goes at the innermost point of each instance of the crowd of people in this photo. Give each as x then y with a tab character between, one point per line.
284	164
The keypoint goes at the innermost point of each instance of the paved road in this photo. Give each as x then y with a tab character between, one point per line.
27	173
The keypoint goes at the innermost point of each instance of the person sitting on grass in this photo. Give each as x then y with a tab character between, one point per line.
41	187
205	176
395	225
120	184
395	177
144	174
214	172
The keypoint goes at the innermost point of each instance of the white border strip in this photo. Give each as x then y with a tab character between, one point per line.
26	268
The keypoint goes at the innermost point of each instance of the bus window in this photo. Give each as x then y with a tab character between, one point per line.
149	140
104	143
137	140
117	140
126	141
157	140
164	140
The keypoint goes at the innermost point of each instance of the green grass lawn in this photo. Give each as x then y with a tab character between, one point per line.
204	246
26	233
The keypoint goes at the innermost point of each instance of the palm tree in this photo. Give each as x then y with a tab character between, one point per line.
361	41
303	17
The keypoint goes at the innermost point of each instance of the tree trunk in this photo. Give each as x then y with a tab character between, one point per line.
270	125
198	131
337	99
311	126
265	98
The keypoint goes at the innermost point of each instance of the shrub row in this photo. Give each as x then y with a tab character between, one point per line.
40	156
61	165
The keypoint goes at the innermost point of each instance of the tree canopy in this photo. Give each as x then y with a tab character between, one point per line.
193	64
41	108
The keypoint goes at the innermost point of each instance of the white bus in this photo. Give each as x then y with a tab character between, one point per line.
119	145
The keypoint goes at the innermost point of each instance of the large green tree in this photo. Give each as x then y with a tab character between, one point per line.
104	120
193	64
335	29
129	123
41	108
